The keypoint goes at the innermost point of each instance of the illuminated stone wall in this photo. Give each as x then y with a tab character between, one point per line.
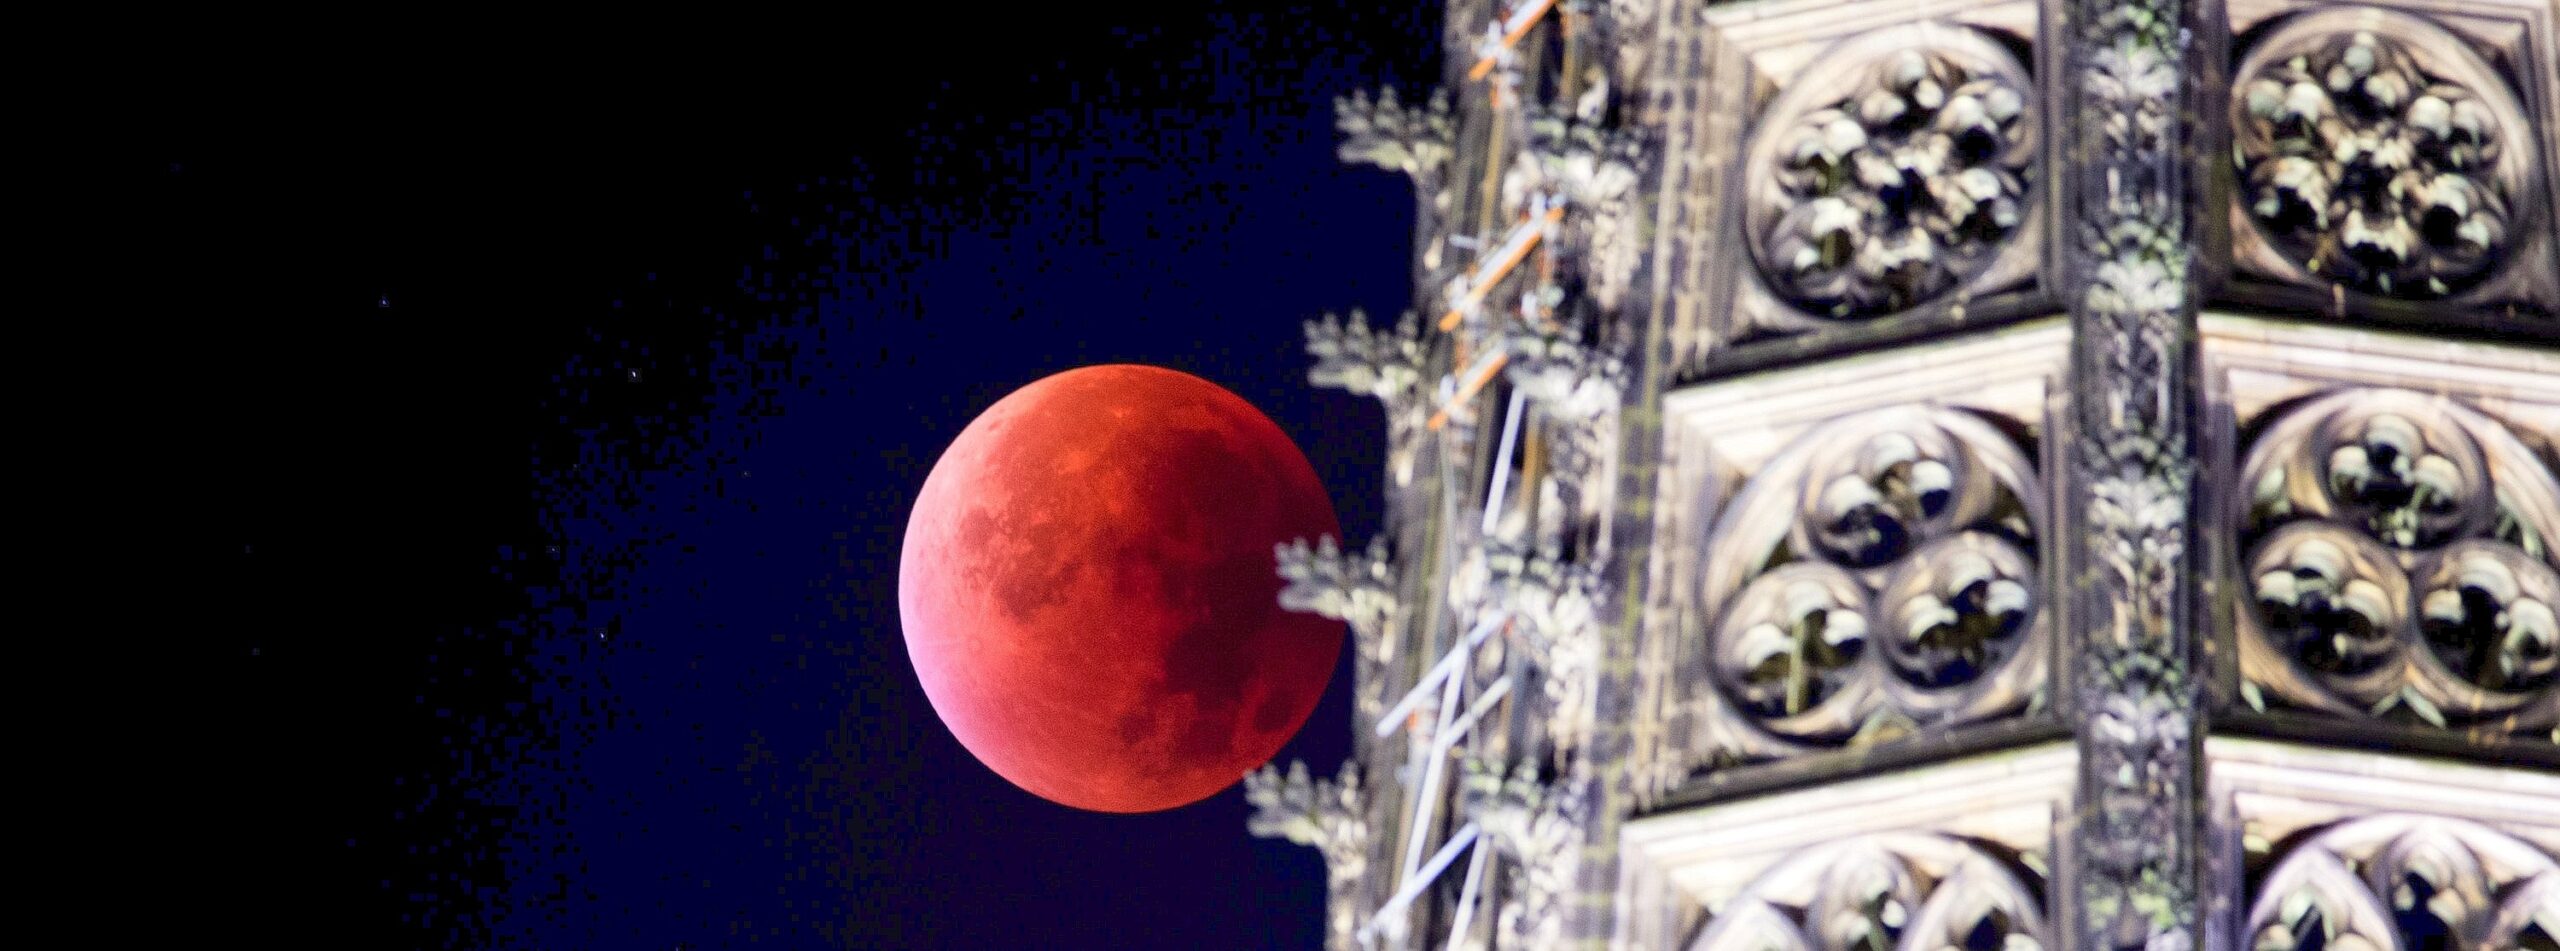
1966	473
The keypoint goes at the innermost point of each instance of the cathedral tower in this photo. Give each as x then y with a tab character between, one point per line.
1957	473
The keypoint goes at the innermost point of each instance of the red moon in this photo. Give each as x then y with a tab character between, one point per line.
1089	592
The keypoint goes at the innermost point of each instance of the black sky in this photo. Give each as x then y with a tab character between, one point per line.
544	408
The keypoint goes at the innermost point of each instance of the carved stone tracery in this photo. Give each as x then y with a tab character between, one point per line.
1921	891
2395	565
2377	151
1895	177
2404	881
2390	566
1878	576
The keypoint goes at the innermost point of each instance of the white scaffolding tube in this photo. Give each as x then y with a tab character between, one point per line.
1476	710
1467	898
1435	767
1448	664
1414	885
1499	39
1502	462
1522	16
1467	290
1435	761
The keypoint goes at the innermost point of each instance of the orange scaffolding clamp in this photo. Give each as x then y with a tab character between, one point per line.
1481	374
1515	248
1517	26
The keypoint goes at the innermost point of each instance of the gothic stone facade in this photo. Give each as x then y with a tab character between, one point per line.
1957	474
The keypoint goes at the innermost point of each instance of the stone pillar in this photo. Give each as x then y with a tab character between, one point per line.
2129	879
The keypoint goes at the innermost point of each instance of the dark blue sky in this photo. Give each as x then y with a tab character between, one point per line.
550	409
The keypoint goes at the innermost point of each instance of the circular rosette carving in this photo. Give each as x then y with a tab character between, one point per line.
2349	494
1911	523
2327	607
2404	881
1956	613
1891	173
2377	150
2486	612
1790	650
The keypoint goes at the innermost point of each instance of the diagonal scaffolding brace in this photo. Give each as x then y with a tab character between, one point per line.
1546	213
1414	884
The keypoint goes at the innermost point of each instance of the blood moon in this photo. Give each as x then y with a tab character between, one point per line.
1089	591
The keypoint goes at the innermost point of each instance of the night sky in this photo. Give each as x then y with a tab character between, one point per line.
545	411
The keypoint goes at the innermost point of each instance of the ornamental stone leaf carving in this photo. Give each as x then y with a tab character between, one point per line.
1573	380
1596	170
1894	175
1386	364
1354	588
2379	152
1415	140
1555	605
1327	815
1541	826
